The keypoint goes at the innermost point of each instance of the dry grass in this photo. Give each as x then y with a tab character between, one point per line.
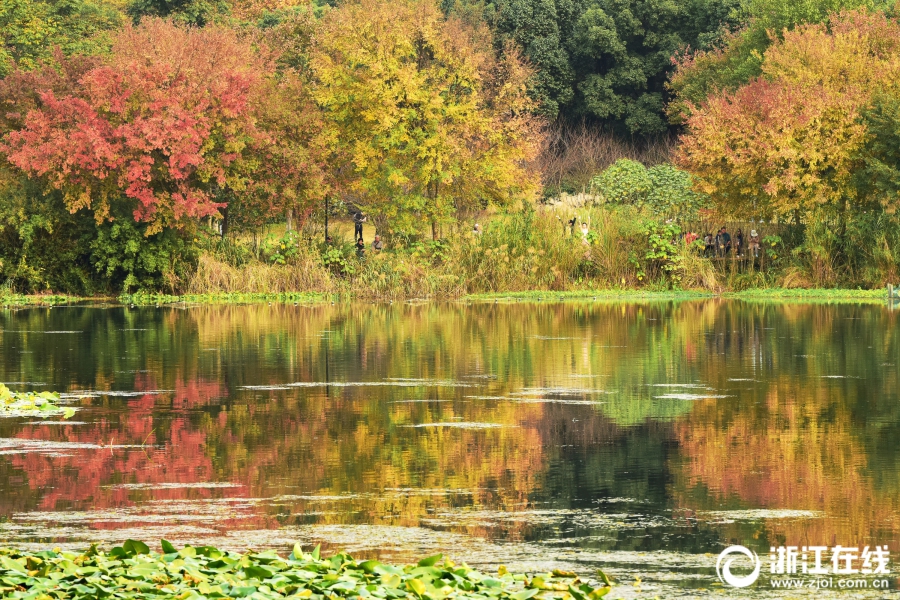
215	276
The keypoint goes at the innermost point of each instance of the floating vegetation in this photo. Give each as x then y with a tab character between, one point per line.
690	396
50	447
461	425
32	404
379	383
729	516
174	486
132	570
143	299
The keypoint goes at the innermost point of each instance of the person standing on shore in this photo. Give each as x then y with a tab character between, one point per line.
754	243
358	220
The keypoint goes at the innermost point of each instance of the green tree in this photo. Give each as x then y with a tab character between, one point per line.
541	28
622	51
608	60
880	177
30	29
189	12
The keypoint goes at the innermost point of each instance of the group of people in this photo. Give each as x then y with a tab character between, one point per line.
585	229
377	244
722	244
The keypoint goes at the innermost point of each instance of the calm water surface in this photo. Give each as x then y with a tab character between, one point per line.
642	438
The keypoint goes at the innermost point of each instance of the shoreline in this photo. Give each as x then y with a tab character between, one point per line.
754	294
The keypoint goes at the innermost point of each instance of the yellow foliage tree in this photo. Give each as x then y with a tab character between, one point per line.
424	119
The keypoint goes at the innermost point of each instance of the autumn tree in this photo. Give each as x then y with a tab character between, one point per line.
790	141
293	179
424	119
736	57
163	126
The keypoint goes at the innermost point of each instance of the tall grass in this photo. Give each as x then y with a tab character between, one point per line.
535	250
530	250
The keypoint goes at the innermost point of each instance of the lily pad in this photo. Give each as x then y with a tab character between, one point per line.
133	571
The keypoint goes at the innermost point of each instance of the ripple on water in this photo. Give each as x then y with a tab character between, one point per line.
690	396
680	385
559	391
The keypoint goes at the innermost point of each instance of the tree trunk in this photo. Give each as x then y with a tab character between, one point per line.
224	212
290	219
434	235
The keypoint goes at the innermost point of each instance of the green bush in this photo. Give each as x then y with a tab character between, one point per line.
663	190
127	259
45	247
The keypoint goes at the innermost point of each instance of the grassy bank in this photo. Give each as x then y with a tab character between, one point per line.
770	294
762	295
143	299
9	299
625	250
533	253
134	571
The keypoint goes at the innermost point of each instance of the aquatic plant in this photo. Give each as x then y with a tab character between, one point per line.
43	404
132	570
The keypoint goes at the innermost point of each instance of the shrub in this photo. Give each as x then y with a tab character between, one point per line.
664	190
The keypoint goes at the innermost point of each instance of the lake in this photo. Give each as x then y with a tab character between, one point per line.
638	437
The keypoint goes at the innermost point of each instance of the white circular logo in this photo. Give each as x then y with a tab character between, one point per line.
724	570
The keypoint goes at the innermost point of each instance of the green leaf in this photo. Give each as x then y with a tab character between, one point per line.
12	565
525	594
431	560
135	547
167	546
576	593
316	553
369	566
260	573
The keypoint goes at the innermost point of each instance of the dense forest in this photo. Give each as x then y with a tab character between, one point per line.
201	145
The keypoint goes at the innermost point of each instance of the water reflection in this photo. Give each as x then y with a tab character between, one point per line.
638	435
